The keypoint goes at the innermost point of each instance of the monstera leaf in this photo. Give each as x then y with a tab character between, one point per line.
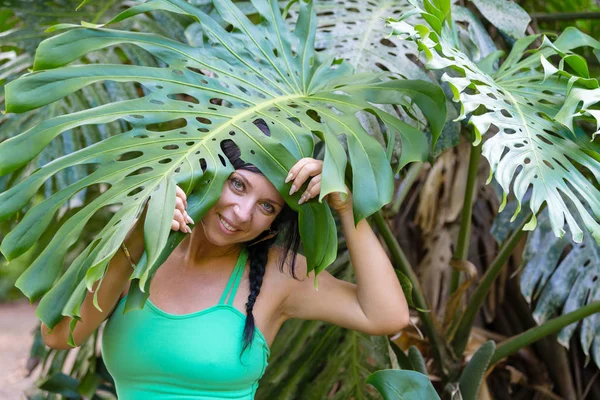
559	284
24	26
260	85
522	99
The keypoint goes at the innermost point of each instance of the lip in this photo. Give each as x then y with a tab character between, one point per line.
229	223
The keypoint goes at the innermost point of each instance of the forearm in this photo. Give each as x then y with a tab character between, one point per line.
379	293
117	275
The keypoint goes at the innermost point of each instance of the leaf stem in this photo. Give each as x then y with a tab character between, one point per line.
411	175
465	324
532	335
565	16
464	235
401	262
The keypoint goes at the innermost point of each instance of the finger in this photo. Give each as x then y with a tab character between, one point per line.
174	225
181	194
297	167
178	216
313	189
179	204
311	169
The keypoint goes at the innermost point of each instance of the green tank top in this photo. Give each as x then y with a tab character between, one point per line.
152	354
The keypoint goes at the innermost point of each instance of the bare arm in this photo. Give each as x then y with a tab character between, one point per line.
115	281
376	304
117	275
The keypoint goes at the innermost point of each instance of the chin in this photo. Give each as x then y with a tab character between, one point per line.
214	234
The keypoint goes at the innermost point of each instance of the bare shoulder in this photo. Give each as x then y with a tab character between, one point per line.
293	267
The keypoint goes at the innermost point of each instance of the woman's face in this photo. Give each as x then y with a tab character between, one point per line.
248	205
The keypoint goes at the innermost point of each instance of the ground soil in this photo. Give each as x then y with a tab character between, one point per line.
17	321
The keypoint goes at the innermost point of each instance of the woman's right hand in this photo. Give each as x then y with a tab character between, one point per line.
181	219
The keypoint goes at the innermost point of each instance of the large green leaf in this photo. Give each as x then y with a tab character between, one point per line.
25	30
561	276
257	74
356	31
398	384
506	15
532	149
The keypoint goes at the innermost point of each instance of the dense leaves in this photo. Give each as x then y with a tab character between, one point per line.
522	100
561	276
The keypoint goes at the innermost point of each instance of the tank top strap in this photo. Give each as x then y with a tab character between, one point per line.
234	280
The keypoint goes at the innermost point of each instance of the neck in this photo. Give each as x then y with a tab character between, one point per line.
197	249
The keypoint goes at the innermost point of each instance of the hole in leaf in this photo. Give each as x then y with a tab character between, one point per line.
222	160
506	113
387	42
165	161
140	171
543	139
203	120
135	191
262	125
170	147
295	121
314	115
154	101
183	97
130	155
167	125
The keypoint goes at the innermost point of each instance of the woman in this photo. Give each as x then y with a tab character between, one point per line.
205	332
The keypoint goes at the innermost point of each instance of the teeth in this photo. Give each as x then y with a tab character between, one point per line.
227	226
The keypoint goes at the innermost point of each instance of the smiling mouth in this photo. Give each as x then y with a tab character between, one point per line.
226	225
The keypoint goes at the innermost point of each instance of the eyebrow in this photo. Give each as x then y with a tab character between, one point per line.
240	176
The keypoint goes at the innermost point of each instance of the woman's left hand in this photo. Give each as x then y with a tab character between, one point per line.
306	168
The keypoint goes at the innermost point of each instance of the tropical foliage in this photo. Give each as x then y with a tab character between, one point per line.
331	68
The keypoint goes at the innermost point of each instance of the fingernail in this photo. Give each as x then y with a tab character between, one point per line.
190	220
289	177
301	199
189	229
293	189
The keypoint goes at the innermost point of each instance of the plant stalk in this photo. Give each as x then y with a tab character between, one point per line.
411	175
566	16
465	324
441	353
532	335
464	235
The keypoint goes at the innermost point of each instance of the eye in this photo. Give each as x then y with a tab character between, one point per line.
237	184
268	207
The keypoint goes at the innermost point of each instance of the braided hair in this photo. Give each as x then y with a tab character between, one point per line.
287	237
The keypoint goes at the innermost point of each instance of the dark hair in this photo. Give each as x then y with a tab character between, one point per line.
287	237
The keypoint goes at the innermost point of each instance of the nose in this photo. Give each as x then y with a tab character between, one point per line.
243	211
